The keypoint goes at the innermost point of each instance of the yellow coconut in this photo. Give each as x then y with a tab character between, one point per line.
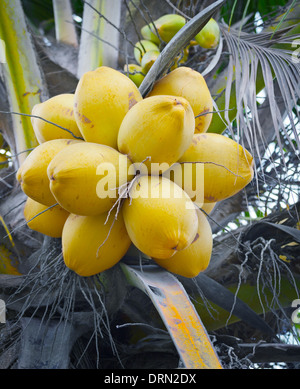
190	84
227	166
196	257
208	207
85	177
159	216
57	110
148	60
32	174
190	177
135	73
157	131
47	220
168	25
91	244
209	36
102	98
148	32
141	48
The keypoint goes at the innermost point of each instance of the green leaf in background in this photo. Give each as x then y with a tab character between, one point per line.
38	10
262	7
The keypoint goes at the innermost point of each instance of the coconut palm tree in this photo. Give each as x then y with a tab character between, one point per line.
238	312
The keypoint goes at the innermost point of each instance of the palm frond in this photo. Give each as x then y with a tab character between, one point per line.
178	314
252	66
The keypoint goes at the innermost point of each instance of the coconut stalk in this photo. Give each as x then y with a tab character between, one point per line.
99	43
178	314
21	74
65	30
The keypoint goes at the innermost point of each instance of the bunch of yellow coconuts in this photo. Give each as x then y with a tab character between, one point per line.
111	169
155	35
